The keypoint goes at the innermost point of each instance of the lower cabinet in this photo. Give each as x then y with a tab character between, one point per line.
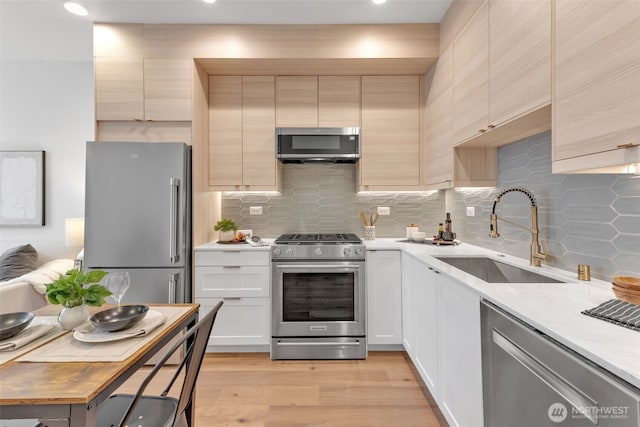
384	297
240	278
242	321
441	321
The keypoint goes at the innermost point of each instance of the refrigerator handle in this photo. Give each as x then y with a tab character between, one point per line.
174	256
173	285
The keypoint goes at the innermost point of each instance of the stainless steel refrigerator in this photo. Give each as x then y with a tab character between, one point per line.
138	217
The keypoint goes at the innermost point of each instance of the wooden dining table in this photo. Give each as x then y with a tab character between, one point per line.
69	393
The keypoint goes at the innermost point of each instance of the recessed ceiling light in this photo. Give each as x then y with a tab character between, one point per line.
209	1
378	1
76	8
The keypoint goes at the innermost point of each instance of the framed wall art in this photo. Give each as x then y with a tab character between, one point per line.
22	188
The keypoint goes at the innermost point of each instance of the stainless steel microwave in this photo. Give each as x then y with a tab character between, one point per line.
335	145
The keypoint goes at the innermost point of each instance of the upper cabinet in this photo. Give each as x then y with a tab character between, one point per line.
471	77
519	58
502	73
241	133
390	132
132	87
596	105
318	101
143	89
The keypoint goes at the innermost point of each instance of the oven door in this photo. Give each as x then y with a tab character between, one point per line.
318	299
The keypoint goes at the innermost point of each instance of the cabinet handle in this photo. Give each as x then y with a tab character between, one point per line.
627	145
231	298
491	126
231	266
482	130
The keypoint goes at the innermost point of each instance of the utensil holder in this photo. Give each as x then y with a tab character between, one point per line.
369	233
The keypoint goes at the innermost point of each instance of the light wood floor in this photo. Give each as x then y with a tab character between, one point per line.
250	389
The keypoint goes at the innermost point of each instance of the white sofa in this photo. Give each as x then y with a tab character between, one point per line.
27	292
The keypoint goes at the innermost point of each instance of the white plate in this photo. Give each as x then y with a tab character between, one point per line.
152	320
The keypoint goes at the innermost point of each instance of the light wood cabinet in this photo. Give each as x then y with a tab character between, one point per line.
143	89
258	121
519	58
471	76
390	132
225	130
596	105
241	138
384	298
447	166
318	101
339	101
502	73
297	101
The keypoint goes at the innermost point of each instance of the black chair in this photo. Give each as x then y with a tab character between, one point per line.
162	411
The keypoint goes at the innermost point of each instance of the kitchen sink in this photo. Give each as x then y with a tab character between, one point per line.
493	271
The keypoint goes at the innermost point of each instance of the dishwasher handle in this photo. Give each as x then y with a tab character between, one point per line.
563	387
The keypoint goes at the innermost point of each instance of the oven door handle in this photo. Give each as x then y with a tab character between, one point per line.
316	266
322	343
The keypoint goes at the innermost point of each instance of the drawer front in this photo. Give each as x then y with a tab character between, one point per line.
232	257
240	321
232	281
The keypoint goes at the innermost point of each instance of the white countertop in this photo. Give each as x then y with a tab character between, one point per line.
214	246
553	308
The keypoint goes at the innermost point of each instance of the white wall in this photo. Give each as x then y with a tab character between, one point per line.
47	103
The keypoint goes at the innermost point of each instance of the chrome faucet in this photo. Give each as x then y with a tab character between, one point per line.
536	255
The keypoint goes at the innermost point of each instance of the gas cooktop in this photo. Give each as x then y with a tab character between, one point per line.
318	238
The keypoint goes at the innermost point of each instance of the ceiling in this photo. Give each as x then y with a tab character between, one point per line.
265	11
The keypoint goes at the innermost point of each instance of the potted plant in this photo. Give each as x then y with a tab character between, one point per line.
227	228
75	291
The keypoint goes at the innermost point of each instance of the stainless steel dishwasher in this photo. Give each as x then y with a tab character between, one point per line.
530	380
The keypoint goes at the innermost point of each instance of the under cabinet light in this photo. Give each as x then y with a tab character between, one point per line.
378	1
76	8
209	1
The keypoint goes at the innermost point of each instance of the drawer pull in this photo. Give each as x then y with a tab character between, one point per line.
231	266
627	145
231	298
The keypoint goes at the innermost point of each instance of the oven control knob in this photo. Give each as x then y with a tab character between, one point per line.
318	251
289	252
347	251
358	251
276	251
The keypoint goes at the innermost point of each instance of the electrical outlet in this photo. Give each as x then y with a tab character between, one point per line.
255	210
471	211
384	210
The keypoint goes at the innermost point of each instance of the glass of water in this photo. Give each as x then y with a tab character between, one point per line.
117	283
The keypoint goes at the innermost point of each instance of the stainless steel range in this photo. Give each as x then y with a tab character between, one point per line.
318	297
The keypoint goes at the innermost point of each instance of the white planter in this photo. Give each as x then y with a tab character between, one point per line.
226	236
72	317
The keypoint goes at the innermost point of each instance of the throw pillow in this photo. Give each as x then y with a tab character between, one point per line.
17	261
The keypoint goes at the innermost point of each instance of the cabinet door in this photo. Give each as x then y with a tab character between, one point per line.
258	123
460	358
471	77
596	104
519	57
119	88
339	101
439	113
225	130
390	131
167	89
425	319
408	329
297	101
384	297
241	321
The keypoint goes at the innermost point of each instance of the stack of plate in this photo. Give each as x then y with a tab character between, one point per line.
627	289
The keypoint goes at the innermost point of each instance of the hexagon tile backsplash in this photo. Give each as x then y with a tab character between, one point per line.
583	219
